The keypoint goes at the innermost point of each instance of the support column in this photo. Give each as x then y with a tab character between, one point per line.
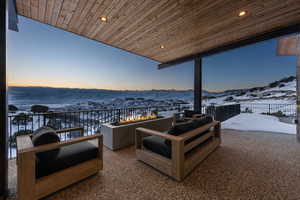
198	84
3	103
298	87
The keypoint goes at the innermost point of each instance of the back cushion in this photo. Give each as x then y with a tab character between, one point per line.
190	113
198	122
182	127
42	136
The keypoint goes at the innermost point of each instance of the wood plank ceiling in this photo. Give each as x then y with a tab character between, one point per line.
183	27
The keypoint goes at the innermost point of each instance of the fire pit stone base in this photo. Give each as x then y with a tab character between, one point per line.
117	137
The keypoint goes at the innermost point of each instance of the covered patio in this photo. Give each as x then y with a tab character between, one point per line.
248	165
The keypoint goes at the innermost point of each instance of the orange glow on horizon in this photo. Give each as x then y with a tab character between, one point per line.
87	87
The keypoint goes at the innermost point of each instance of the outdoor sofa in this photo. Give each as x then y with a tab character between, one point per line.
45	164
178	151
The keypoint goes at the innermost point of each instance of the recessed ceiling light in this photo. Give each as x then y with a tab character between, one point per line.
242	13
162	46
104	19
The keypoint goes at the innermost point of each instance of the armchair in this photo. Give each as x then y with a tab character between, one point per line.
78	158
185	152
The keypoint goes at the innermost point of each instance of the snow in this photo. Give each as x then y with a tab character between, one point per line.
276	95
290	86
258	122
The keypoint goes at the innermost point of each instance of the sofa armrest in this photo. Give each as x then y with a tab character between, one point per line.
23	143
81	129
52	146
148	132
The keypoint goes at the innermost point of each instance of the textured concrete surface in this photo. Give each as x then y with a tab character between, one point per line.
248	165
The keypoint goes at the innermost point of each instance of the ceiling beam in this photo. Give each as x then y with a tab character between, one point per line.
259	38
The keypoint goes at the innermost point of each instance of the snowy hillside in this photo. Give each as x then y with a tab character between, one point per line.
278	92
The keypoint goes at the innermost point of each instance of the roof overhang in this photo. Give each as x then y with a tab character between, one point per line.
167	31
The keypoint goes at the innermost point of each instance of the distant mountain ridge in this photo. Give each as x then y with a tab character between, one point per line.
49	95
237	91
282	91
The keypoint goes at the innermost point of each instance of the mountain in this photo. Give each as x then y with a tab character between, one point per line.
278	92
281	91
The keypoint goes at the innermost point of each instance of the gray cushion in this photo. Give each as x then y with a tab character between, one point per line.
198	122
42	136
68	156
190	113
157	145
163	147
182	127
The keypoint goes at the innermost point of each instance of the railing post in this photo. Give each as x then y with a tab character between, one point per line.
119	115
178	108
44	119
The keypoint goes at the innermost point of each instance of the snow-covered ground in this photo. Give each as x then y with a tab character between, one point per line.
258	122
279	92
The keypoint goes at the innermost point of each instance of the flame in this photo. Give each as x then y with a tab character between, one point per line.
138	118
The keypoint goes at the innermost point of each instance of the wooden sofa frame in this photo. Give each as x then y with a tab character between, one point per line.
30	188
180	165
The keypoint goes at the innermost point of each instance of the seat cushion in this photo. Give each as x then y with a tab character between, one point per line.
68	156
157	145
42	136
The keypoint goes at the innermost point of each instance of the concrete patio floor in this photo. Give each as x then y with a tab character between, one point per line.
248	165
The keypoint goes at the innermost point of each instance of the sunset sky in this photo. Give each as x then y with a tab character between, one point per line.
40	55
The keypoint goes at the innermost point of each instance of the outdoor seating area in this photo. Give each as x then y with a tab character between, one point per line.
137	146
247	165
46	164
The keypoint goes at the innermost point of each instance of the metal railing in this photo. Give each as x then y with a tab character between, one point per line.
90	120
270	109
224	112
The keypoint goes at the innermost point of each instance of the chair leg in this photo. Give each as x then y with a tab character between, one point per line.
26	176
178	160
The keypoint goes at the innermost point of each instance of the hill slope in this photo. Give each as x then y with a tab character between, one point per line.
278	92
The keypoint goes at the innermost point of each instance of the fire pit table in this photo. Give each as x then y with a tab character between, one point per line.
119	135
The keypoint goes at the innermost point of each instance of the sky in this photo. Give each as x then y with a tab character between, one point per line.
41	55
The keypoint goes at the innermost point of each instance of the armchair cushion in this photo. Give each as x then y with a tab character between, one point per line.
45	135
163	147
190	113
198	122
181	127
157	145
68	156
